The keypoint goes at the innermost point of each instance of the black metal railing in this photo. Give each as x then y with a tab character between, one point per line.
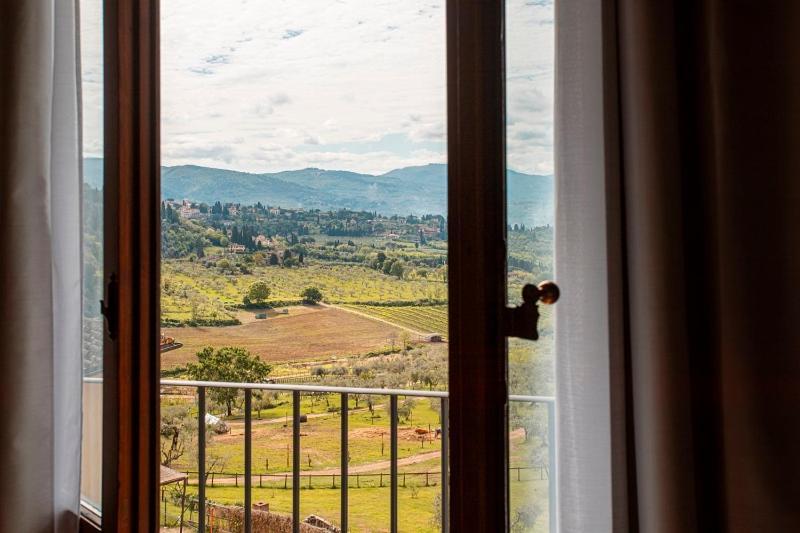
344	392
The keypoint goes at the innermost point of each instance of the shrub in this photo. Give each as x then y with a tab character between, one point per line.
311	295
257	293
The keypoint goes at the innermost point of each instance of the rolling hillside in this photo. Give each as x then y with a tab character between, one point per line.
410	190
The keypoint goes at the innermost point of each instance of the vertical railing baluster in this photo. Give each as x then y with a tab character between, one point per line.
393	461
248	461
552	477
345	460
296	461
201	458
445	495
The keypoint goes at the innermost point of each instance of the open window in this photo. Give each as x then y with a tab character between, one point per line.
443	262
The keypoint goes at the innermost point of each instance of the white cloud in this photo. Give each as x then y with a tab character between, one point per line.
530	52
267	85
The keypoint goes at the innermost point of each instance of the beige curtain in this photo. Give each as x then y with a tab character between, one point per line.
705	97
40	287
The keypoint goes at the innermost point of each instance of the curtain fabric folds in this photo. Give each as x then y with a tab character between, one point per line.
40	271
703	110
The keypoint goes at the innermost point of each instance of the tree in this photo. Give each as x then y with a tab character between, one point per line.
231	364
273	259
397	269
525	518
405	338
258	292
406	409
177	429
311	295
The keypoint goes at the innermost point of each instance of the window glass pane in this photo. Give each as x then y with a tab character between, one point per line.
529	139
304	225
91	44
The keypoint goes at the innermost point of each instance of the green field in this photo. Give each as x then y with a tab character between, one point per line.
189	288
369	507
369	440
368	444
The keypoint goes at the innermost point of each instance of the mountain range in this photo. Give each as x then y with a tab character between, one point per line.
410	190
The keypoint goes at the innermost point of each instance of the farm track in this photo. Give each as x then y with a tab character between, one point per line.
368	468
376	466
239	424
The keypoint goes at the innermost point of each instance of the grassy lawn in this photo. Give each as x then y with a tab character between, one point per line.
369	507
369	501
320	438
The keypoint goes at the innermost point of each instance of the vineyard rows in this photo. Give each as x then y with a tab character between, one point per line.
427	319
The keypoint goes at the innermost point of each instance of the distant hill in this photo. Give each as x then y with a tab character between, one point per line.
410	190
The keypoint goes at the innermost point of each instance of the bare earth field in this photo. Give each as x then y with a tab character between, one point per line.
306	332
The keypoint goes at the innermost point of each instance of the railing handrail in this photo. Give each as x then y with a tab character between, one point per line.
331	389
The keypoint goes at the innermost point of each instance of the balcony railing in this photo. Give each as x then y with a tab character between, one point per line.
344	393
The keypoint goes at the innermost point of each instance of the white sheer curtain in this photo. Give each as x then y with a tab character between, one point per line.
582	324
40	270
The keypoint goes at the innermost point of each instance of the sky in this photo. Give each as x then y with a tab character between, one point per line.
360	85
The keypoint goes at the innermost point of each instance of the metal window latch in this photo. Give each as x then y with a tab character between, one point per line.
523	321
109	307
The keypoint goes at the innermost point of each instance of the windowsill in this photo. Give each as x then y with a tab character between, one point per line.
91	520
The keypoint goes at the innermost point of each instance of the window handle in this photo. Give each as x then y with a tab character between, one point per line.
109	307
523	321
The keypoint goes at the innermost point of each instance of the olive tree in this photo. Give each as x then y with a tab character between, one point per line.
258	292
231	364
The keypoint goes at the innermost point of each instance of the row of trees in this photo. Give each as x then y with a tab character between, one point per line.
258	294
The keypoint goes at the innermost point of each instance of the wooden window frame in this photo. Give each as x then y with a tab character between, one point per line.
477	266
478	362
132	259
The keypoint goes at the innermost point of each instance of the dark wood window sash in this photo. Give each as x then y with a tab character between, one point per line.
132	255
477	266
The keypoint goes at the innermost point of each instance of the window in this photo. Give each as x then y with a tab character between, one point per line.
371	246
304	242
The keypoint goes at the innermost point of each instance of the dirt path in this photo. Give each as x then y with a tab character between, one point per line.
377	319
239	424
375	467
360	469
